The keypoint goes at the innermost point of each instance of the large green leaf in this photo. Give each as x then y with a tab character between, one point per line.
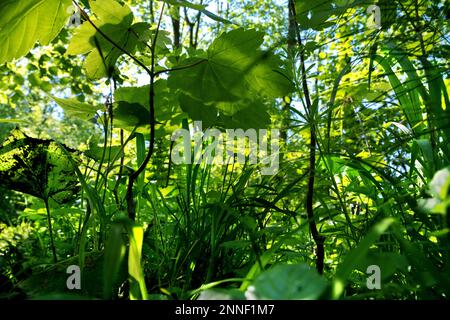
288	282
116	22
37	167
235	68
198	111
25	22
130	115
389	263
253	115
243	114
131	107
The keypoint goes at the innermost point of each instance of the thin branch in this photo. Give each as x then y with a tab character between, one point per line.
318	239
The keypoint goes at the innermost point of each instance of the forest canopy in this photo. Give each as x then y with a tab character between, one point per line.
213	149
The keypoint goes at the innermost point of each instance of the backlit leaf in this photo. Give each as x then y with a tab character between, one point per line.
25	22
235	68
75	108
116	22
313	14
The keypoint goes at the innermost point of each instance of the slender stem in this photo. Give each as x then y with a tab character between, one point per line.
318	239
143	165
105	146
49	220
199	15
170	163
122	161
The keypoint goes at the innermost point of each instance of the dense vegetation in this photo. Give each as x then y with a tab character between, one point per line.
92	91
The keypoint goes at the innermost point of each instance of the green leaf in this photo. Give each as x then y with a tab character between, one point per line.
355	257
208	291
111	11
130	115
138	95
115	21
312	14
438	115
258	267
389	263
406	97
253	116
425	157
138	289
423	270
235	68
414	84
131	108
440	185
344	3
75	108
287	282
96	153
114	253
25	22
37	167
198	111
231	108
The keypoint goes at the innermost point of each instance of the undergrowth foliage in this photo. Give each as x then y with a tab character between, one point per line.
100	200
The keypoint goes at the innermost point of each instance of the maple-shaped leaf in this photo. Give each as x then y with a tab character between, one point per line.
234	68
116	22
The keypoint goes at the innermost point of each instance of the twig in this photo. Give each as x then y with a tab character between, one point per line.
318	239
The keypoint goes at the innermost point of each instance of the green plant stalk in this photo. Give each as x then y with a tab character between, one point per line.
49	221
117	183
140	150
318	239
